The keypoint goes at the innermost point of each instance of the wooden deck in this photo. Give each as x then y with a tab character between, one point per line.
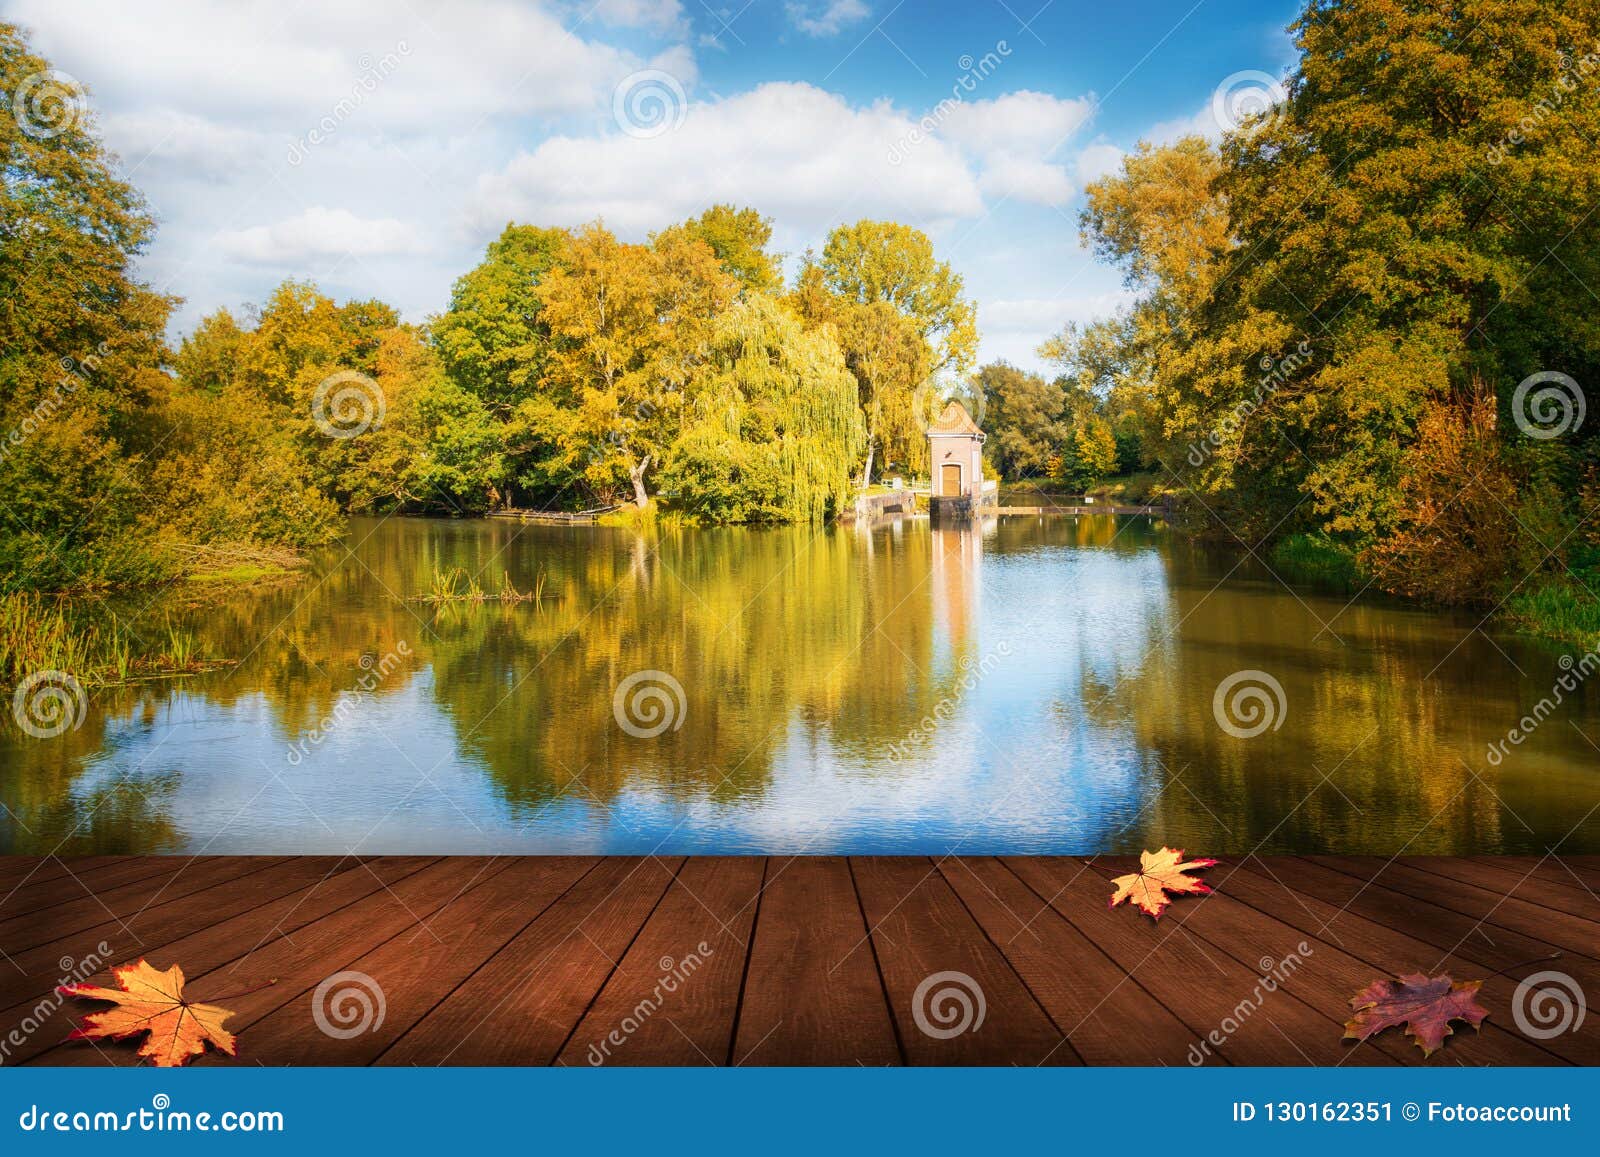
815	960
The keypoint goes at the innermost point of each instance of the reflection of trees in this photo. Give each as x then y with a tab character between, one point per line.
772	634
764	631
1396	740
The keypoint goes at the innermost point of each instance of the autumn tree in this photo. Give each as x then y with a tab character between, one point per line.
885	261
629	326
739	238
81	342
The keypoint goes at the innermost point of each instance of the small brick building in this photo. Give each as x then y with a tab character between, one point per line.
955	452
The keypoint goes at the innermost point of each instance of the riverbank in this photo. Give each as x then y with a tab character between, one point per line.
1559	609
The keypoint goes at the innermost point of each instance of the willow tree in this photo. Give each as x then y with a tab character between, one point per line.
776	426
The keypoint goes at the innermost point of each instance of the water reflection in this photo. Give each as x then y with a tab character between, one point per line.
1024	685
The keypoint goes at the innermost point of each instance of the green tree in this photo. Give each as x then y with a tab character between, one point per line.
81	343
1023	418
739	238
492	339
886	261
630	326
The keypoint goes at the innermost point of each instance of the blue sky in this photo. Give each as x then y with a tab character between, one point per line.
375	147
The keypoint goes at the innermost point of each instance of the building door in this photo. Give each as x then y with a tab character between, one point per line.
950	480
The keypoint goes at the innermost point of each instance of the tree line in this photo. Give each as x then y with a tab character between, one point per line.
1367	324
570	369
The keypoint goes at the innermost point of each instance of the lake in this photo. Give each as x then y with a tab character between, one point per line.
1029	686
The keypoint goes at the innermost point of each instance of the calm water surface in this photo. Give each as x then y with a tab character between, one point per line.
1032	686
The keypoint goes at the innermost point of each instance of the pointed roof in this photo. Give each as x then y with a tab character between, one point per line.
954	420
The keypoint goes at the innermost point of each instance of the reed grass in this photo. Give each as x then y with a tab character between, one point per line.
455	585
39	633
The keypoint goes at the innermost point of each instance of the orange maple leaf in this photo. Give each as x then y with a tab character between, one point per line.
149	1000
1160	873
1425	1005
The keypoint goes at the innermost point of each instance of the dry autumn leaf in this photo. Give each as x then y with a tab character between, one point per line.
149	1000
1425	1005
1159	874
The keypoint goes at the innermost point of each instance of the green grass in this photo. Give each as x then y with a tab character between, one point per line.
1315	558
244	573
1558	609
1131	489
39	633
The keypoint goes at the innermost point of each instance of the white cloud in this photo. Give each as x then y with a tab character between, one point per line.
320	233
251	63
1021	179
1016	136
827	18
163	138
1202	124
1046	315
657	15
1032	124
796	152
1096	161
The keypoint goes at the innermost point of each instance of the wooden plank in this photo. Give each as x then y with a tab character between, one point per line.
1569	931
1574	871
118	904
1202	985
416	969
809	997
1316	969
941	972
257	979
1107	1021
16	871
42	967
674	996
1391	952
37	896
521	1006
1561	891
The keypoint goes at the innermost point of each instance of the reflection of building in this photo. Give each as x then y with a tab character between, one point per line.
957	552
955	449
